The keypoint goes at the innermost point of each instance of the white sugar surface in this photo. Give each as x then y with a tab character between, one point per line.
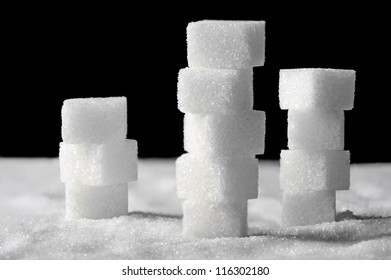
32	209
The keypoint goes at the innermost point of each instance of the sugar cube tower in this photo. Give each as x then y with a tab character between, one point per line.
315	166
222	132
96	159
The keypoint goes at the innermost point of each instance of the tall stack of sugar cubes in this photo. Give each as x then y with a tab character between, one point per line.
96	159
222	132
316	165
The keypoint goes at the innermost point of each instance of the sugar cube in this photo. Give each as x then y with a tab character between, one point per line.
315	88
216	179
208	220
305	170
99	164
94	120
308	208
316	129
205	91
226	44
225	135
96	202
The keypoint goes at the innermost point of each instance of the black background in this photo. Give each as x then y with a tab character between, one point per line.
51	53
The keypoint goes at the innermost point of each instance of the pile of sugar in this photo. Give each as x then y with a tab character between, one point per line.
222	132
315	166
32	211
96	159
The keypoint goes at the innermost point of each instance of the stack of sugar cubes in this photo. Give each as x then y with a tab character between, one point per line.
316	165
96	159
222	132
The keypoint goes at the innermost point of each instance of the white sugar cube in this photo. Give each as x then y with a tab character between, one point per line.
226	44
216	179
99	164
225	135
316	88
308	208
205	91
316	129
94	120
96	202
304	170
205	220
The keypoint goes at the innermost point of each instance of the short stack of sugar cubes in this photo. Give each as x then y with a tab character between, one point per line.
316	165
222	132
96	159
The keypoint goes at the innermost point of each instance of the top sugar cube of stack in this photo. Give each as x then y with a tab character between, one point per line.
226	44
315	88
94	120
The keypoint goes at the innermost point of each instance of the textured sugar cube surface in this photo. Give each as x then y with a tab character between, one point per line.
94	120
204	91
216	179
308	208
206	220
99	164
316	129
304	170
96	202
225	135
316	88
226	44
